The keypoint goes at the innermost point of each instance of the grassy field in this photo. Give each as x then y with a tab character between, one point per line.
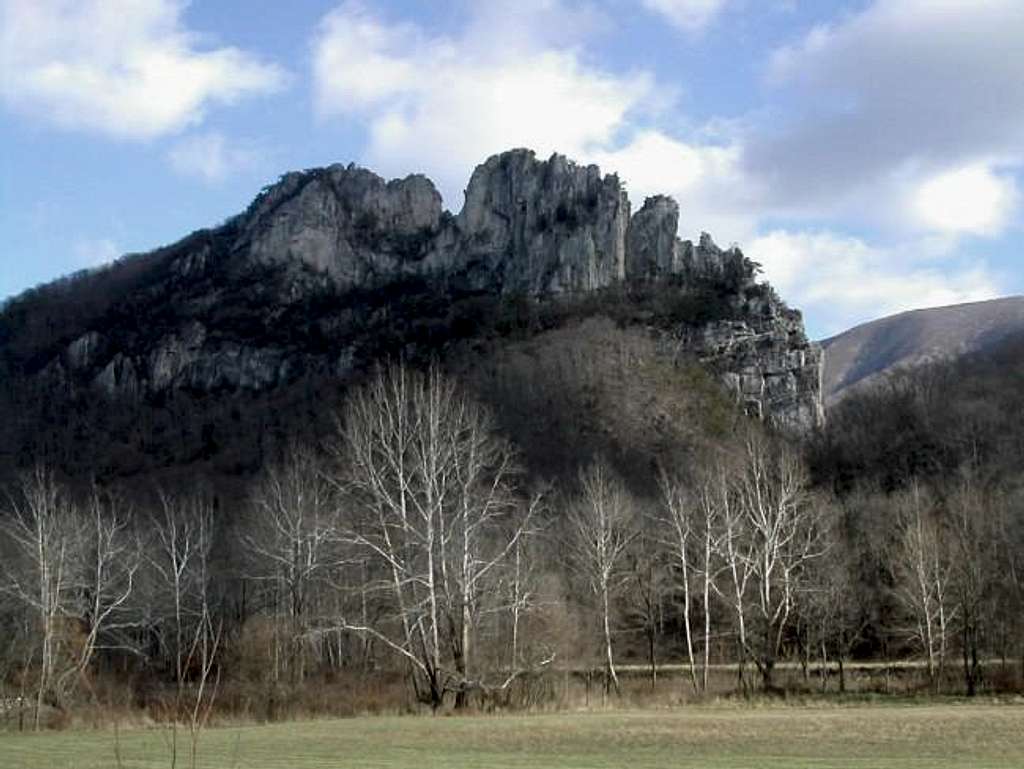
880	737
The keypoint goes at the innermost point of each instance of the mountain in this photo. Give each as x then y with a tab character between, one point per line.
214	351
867	352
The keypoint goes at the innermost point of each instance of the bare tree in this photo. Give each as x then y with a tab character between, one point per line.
109	558
180	555
923	575
975	524
520	583
292	541
713	506
736	551
44	530
832	608
679	523
432	490
601	528
647	587
785	531
1010	536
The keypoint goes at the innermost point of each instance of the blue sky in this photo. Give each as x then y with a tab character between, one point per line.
869	154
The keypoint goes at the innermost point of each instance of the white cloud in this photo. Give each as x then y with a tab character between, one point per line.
841	281
882	102
687	15
444	104
971	199
93	252
212	157
128	70
706	181
653	162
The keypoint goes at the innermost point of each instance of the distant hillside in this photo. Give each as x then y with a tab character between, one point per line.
868	351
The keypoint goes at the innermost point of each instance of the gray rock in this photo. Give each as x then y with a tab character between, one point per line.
82	353
652	247
770	366
119	378
543	227
175	355
193	264
345	221
235	366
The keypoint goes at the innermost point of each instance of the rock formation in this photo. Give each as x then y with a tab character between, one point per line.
652	246
543	228
345	221
529	228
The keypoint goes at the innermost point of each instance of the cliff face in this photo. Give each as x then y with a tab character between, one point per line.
313	273
769	364
346	222
543	228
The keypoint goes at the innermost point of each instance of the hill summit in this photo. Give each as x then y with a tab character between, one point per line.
864	355
331	270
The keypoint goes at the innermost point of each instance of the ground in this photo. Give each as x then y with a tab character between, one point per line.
773	736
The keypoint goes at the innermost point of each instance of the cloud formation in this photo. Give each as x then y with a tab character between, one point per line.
687	15
212	157
444	104
842	281
705	179
126	70
972	199
882	101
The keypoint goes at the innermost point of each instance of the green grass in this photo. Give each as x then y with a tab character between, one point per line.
879	737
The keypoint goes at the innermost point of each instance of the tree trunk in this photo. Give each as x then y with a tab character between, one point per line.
707	635
970	656
611	679
768	674
824	666
650	657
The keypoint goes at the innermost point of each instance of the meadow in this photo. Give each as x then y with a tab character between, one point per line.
890	736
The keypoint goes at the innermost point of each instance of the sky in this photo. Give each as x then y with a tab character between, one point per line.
868	154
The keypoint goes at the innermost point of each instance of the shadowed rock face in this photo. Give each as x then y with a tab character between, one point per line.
529	228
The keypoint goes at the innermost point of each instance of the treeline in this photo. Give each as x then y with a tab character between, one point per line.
411	545
939	450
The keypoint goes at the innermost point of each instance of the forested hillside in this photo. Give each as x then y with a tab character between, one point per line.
349	451
209	355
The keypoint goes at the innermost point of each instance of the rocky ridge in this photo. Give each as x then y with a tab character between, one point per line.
538	229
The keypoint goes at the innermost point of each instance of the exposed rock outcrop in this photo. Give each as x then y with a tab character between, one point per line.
540	228
83	352
769	364
316	250
345	221
652	246
119	378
